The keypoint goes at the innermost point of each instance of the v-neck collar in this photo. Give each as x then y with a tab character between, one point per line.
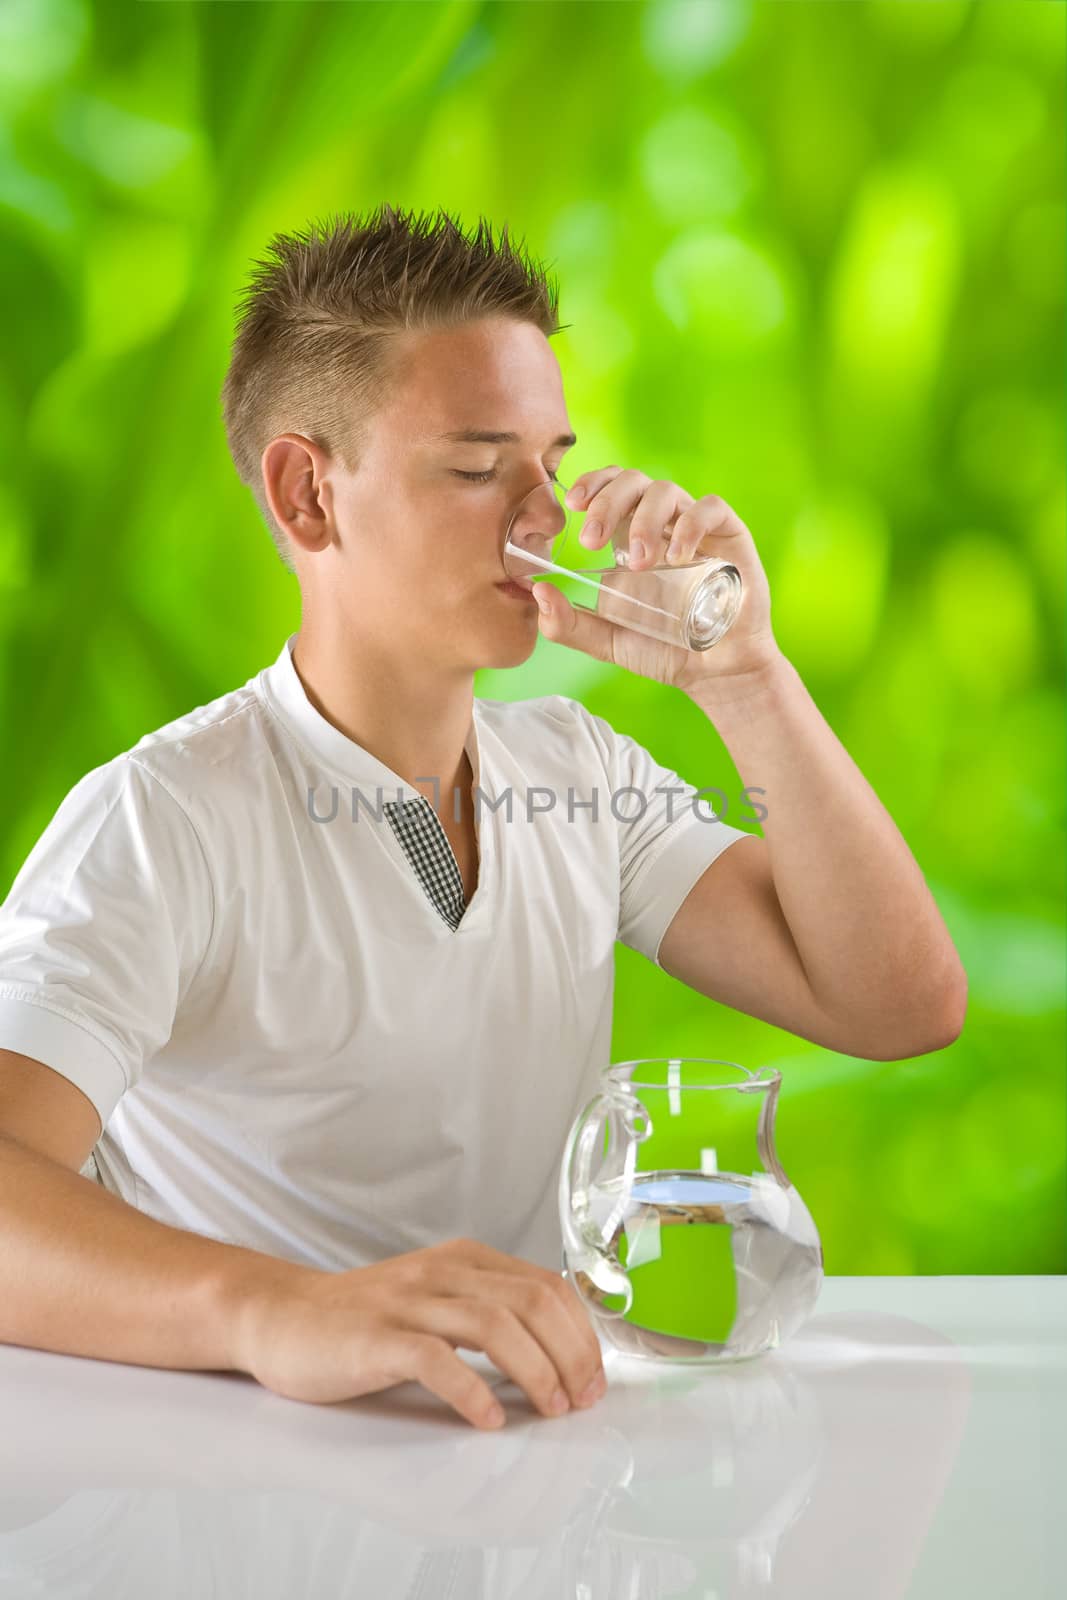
285	695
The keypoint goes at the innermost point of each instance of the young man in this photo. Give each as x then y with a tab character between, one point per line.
310	976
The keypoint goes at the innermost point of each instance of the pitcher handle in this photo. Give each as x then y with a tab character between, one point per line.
595	1269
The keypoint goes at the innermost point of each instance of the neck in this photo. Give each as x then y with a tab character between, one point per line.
407	713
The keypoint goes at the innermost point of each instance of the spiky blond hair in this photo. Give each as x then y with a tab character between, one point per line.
317	317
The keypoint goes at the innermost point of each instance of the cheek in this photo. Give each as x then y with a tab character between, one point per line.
435	544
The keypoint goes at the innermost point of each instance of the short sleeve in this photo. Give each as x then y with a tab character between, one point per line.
102	931
666	842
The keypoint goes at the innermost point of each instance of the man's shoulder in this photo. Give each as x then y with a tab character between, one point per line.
549	724
521	723
535	711
198	755
207	730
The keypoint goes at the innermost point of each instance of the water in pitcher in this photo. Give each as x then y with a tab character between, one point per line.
721	1265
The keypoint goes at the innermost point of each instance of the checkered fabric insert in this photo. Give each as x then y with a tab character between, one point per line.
426	846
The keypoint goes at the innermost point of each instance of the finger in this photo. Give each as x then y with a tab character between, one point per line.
545	1309
562	1355
585	487
708	515
484	1319
573	625
611	503
684	539
652	522
487	1259
431	1361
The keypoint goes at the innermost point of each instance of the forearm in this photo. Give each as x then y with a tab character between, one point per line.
83	1273
863	920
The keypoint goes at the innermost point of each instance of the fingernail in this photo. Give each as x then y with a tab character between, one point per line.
495	1415
593	1393
541	597
575	495
674	555
590	532
637	550
559	1403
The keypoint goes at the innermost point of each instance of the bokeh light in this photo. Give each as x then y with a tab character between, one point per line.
812	259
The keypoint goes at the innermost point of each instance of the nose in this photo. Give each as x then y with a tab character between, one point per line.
540	513
533	529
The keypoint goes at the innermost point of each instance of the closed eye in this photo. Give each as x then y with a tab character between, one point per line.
486	477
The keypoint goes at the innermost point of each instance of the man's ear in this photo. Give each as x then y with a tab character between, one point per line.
298	489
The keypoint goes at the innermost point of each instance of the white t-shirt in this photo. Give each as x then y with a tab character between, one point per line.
288	1045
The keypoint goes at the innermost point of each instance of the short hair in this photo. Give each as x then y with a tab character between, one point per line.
311	348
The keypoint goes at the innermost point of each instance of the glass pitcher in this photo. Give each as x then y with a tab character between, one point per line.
677	1244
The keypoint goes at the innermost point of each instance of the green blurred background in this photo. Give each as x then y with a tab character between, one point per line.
812	259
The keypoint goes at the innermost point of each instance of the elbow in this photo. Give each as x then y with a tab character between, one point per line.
950	1012
923	1027
955	1009
935	1024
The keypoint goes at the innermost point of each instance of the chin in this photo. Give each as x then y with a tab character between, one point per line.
506	647
504	657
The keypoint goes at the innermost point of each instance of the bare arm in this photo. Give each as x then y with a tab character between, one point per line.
83	1273
826	926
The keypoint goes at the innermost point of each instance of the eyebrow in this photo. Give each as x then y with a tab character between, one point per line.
486	436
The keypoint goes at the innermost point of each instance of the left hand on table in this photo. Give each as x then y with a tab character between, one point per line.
705	527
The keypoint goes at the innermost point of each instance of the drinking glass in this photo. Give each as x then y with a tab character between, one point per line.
682	1234
692	605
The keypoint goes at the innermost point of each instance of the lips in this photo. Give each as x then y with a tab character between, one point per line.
517	583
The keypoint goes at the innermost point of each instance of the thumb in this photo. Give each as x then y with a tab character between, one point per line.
573	626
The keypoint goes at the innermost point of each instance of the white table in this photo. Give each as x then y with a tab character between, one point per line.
909	1441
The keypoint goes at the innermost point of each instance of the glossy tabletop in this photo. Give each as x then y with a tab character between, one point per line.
909	1441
